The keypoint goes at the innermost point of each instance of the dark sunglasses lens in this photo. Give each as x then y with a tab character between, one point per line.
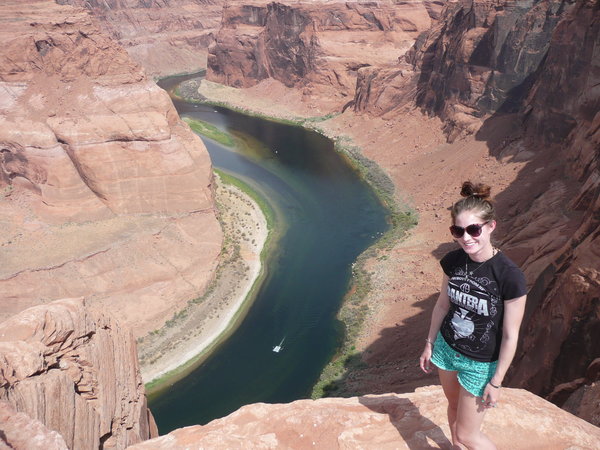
474	230
457	231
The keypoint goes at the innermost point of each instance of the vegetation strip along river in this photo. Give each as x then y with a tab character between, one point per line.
330	215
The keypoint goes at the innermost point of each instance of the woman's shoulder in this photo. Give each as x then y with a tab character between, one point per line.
452	257
503	261
512	278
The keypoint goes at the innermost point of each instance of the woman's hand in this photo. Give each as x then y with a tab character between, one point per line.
425	360
491	395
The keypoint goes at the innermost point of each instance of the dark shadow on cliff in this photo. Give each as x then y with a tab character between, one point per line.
408	420
390	363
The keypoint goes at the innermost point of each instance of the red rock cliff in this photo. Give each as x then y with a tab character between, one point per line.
106	192
562	131
75	371
318	46
165	37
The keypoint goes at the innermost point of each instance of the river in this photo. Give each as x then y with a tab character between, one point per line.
331	216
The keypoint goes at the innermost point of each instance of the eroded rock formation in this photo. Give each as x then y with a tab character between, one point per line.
166	37
316	46
19	431
480	57
74	371
105	192
416	420
562	132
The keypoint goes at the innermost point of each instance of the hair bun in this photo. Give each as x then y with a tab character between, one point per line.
478	190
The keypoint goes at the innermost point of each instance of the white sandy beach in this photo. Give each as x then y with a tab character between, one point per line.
200	325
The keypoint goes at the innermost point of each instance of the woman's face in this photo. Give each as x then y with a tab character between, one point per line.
475	245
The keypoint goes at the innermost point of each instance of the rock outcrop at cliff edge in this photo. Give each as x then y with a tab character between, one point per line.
104	191
416	420
165	37
318	46
75	371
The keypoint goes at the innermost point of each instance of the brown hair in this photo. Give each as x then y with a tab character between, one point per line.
476	199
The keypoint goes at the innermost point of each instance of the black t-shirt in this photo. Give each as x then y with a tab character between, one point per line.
477	291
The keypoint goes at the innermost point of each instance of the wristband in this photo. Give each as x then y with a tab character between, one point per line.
429	341
494	386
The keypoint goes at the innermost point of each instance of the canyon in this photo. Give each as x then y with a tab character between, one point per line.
108	195
501	91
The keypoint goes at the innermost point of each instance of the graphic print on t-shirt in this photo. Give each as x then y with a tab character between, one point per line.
476	292
473	305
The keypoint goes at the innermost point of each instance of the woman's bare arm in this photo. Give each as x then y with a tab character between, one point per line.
513	316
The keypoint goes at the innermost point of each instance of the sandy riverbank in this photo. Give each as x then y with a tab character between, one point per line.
190	334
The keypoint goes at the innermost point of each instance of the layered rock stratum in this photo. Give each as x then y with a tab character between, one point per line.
105	192
314	46
165	37
69	378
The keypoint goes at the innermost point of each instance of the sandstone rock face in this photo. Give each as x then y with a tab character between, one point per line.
416	420
478	58
19	431
562	325
481	53
75	371
164	37
106	192
317	46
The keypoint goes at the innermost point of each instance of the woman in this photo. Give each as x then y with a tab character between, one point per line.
475	323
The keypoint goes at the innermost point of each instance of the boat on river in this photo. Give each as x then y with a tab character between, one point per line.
279	347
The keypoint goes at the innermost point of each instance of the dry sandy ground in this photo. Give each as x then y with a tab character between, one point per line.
200	325
427	173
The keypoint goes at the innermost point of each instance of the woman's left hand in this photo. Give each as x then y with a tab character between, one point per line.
491	395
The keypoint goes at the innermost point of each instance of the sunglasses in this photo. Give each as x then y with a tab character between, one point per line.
474	230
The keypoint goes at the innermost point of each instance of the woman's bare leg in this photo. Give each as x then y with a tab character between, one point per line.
452	389
469	418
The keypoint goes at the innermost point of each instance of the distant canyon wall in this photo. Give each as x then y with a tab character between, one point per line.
314	46
104	191
69	378
165	37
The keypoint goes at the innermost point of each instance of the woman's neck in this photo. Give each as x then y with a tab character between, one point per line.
484	254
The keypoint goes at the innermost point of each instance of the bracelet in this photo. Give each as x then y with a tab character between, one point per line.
429	341
494	386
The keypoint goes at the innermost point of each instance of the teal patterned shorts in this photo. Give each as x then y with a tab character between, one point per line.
472	375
